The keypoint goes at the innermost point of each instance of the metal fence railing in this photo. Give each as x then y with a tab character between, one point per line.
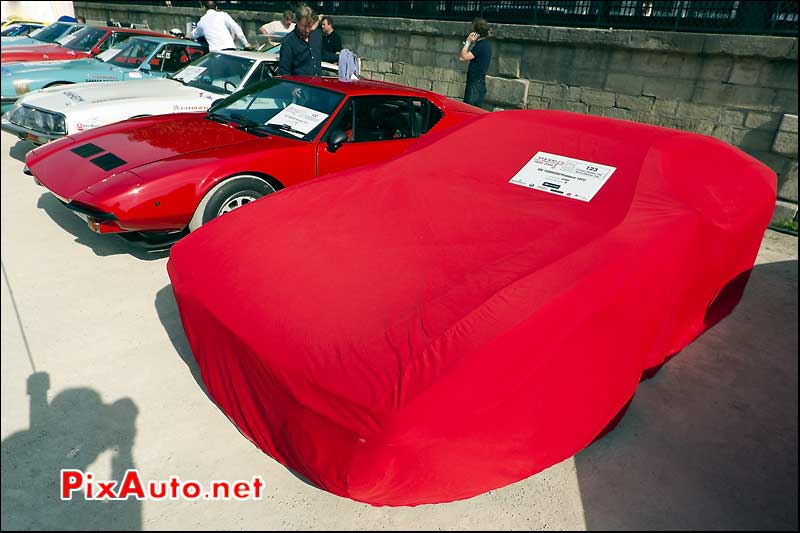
761	17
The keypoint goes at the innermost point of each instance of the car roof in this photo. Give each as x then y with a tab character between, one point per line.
362	87
258	56
166	39
130	30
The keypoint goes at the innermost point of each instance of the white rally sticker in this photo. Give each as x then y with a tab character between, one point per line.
298	119
108	54
563	176
189	73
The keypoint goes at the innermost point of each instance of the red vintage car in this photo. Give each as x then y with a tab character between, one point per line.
86	42
154	179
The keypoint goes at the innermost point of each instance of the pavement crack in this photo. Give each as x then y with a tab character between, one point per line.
19	320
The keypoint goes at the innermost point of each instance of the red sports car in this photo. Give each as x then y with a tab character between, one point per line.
153	179
86	42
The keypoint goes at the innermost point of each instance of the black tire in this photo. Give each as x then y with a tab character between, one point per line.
241	190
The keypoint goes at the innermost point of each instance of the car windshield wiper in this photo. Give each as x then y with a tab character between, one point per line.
244	121
286	127
222	119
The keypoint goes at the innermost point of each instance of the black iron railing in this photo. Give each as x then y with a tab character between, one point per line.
737	17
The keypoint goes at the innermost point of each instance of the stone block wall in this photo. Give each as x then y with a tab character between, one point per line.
741	89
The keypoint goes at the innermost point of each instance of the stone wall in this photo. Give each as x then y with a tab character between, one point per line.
741	89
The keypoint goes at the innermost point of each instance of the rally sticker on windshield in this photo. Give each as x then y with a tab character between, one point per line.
297	120
108	54
190	73
563	176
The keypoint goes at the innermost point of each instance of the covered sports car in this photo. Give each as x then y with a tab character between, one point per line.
474	311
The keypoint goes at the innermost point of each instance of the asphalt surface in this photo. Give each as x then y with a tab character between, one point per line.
97	375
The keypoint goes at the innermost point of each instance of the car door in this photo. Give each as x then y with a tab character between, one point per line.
378	129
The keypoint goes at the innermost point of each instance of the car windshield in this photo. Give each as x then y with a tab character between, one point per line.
273	50
50	33
11	30
68	34
14	29
281	107
215	72
84	40
129	54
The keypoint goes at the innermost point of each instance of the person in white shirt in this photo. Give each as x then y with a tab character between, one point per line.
279	27
219	30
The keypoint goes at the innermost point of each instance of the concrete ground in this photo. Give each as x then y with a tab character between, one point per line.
97	375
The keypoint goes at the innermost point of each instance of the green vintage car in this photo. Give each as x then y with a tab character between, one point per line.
136	58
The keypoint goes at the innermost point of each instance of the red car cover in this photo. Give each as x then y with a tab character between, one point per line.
425	330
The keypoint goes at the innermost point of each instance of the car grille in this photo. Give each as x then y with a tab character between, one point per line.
38	120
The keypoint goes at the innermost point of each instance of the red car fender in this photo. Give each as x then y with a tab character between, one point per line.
165	195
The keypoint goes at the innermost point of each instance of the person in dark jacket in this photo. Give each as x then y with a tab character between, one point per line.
301	50
331	42
478	52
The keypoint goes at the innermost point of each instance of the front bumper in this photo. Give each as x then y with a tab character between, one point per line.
104	223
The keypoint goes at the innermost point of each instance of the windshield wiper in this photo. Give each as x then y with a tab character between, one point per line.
286	127
244	121
222	119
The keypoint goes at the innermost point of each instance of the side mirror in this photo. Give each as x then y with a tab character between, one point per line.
336	139
94	51
215	103
145	66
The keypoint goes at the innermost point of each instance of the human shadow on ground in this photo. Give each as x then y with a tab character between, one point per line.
68	432
101	245
711	441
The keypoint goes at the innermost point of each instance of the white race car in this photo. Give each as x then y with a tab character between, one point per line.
52	113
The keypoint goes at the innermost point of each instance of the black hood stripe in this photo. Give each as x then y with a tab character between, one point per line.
87	150
108	161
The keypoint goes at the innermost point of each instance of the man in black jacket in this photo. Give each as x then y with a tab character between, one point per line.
301	50
331	42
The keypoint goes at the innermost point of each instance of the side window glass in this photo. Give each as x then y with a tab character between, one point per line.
424	116
194	53
157	61
106	44
382	118
261	73
344	121
113	40
173	57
